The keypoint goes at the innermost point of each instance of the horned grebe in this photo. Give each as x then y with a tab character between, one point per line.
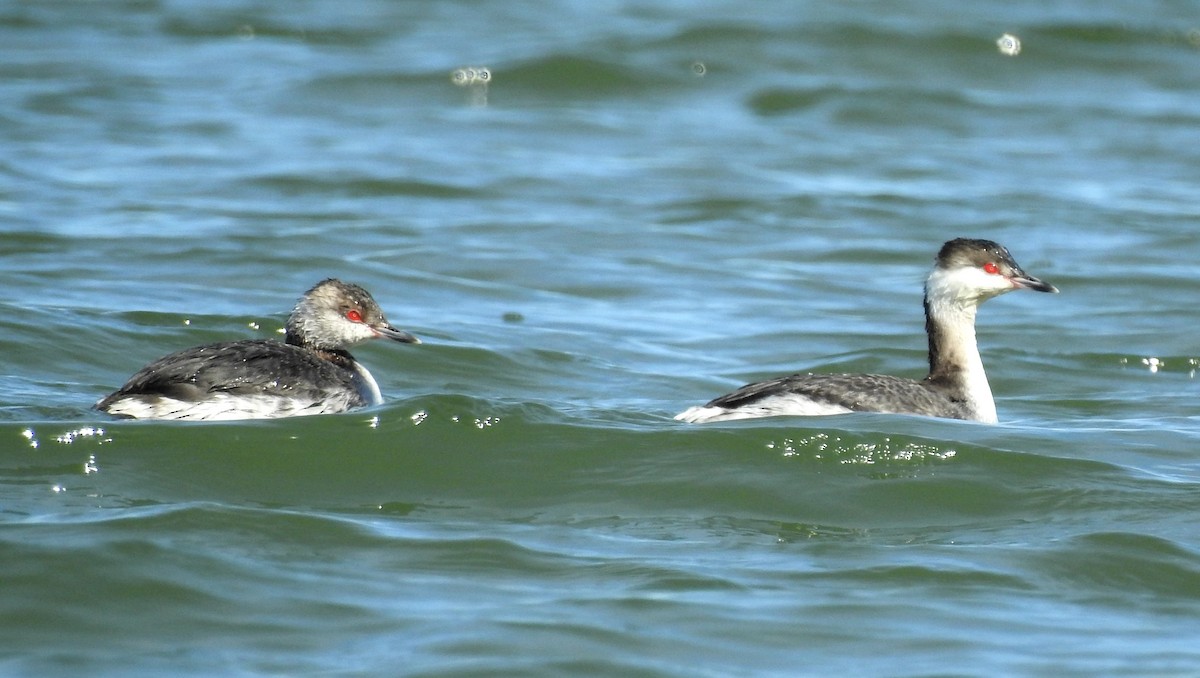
965	274
311	372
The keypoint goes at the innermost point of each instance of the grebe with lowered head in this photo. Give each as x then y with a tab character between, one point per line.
310	372
965	274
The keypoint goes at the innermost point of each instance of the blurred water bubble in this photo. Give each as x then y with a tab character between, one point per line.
1009	44
699	69
471	75
475	79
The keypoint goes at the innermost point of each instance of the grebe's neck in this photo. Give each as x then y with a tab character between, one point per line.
954	362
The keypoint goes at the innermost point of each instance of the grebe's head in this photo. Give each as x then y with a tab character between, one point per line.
336	315
968	272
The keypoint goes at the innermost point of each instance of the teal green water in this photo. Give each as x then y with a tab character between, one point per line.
651	204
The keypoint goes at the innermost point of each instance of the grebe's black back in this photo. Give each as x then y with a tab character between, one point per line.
966	273
310	372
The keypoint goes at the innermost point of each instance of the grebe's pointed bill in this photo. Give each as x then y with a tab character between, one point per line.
1025	281
389	332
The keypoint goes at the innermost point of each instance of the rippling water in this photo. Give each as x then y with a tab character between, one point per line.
648	204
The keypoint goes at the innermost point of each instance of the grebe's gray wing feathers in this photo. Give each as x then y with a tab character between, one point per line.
250	367
854	392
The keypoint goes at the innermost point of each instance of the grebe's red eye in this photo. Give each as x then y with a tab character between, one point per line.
990	268
354	316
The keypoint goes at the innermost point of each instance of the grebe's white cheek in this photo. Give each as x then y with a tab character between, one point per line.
990	284
965	285
363	332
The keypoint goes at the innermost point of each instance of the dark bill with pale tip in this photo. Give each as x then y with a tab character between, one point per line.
396	335
1031	283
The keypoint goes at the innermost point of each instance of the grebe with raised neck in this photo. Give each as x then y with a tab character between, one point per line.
965	274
